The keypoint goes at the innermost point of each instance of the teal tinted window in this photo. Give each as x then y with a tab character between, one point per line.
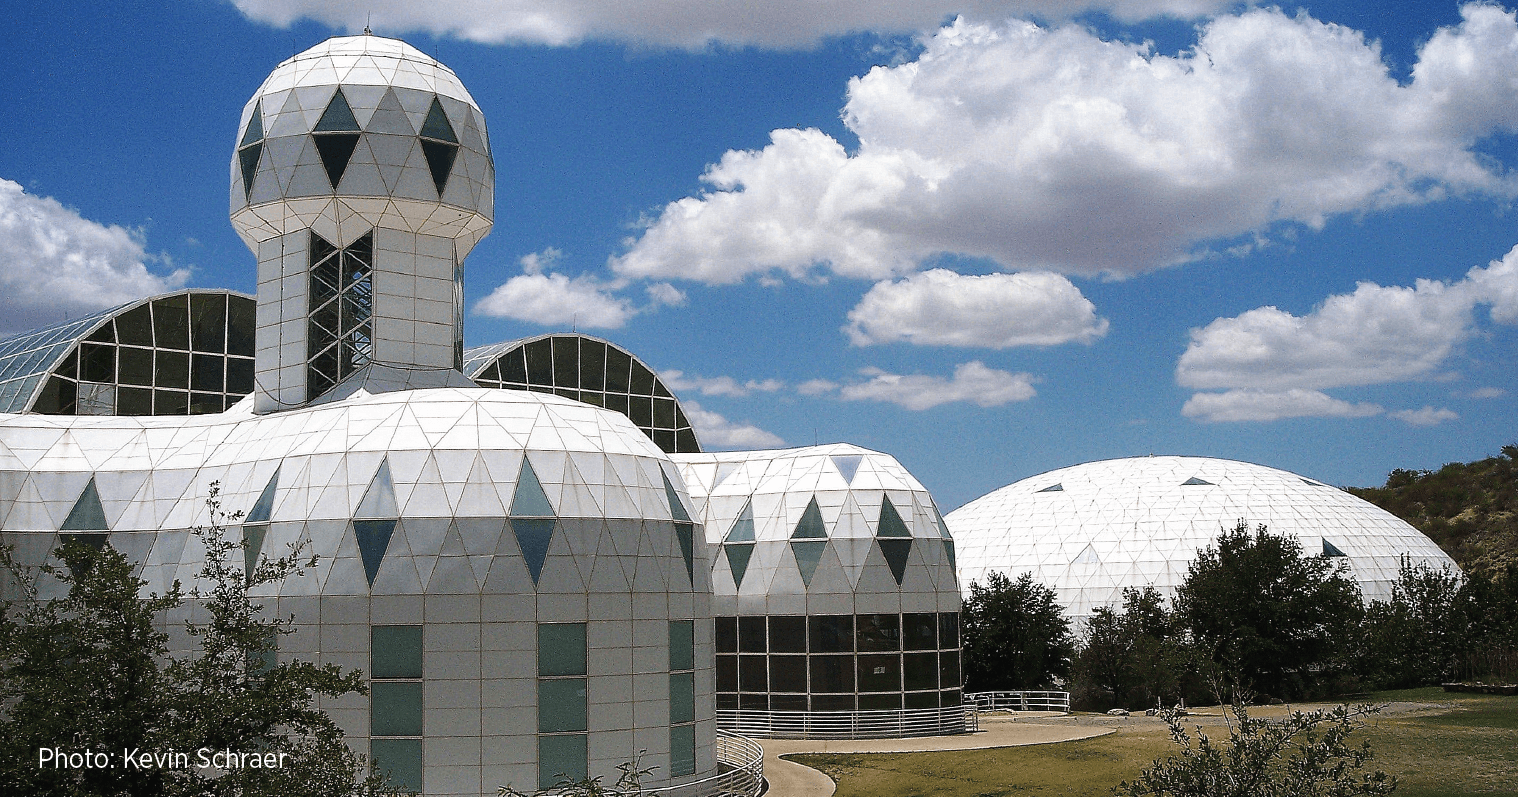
561	705
560	758
400	761
682	697
682	644
396	651
682	750
395	708
561	649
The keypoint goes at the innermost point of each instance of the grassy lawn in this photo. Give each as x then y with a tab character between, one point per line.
1471	748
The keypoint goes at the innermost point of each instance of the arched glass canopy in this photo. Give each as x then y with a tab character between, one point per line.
590	370
184	353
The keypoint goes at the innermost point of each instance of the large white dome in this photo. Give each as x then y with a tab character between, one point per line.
1091	530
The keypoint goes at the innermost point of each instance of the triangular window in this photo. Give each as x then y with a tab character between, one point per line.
1331	550
439	145
87	514
437	125
252	548
1057	487
264	506
379	499
1194	481
373	540
743	527
808	554
529	500
896	552
533	537
676	507
335	150
737	560
250	148
255	129
338	118
810	525
891	524
847	466
686	533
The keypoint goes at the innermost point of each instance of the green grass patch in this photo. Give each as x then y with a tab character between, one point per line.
1470	750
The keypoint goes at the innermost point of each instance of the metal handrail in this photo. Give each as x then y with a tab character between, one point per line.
1018	700
740	772
873	724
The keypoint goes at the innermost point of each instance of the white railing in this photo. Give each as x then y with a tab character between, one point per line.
1019	701
740	772
878	724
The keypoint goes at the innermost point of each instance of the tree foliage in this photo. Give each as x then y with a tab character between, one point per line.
1305	755
1134	658
90	671
1255	605
1015	635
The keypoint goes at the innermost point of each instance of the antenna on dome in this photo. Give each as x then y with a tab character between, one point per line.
367	18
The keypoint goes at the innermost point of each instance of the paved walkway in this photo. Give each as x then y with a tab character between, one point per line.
790	779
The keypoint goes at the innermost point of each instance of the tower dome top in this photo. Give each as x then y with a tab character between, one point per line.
365	60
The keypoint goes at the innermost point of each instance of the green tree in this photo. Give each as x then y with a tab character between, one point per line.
1416	636
1257	606
1133	658
1305	755
89	671
1016	635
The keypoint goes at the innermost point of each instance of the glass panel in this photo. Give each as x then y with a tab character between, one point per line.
751	674
641	411
890	521
533	537
171	402
664	413
617	402
810	526
135	366
787	673
400	760
754	701
436	125
440	159
664	439
919	671
727	673
97	363
373	540
171	323
948	668
879	702
787	634
335	150
514	367
241	324
685	442
338	115
921	700
205	403
919	631
832	673
239	376
951	697
727	701
682	644
208	322
751	634
618	365
395	651
832	633
592	365
560	758
896	553
102	335
808	553
561	649
70	365
528	499
782	702
171	369
87	514
642	381
135	327
948	629
880	673
255	129
561	705
134	401
833	702
682	750
727	635
660	390
682	697
206	372
879	632
395	708
539	355
57	398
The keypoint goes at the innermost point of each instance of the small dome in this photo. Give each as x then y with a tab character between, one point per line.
1093	529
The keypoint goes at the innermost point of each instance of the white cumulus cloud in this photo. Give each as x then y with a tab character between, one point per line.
1052	149
942	308
680	23
717	385
1267	405
55	263
1428	416
718	433
542	297
973	382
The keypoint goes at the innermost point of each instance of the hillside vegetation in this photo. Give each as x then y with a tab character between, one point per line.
1470	509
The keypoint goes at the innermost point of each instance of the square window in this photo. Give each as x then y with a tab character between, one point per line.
832	633
832	673
561	705
682	750
948	629
787	634
948	668
400	761
919	631
395	708
727	673
920	671
879	702
787	673
751	674
396	651
682	644
879	632
880	673
561	649
561	758
751	634
682	697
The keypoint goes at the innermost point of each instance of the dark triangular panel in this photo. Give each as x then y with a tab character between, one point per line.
1057	487
948	549
373	538
255	129
248	158
1329	549
896	553
676	508
264	506
808	554
440	160
336	149
891	524
1194	481
810	525
529	500
737	560
533	537
252	547
686	533
847	466
437	125
87	514
338	118
743	527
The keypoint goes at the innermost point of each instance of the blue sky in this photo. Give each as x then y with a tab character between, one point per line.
988	237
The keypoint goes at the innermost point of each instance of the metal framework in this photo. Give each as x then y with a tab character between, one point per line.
1019	701
883	724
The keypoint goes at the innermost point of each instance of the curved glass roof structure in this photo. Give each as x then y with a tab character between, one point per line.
591	370
1090	530
184	353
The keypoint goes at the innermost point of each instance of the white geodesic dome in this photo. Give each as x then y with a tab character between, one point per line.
1088	531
